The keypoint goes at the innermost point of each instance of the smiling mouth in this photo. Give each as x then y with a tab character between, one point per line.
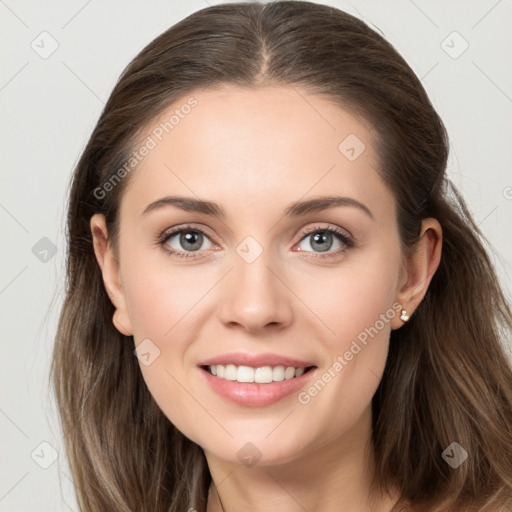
259	375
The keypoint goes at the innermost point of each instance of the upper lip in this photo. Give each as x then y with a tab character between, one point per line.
255	360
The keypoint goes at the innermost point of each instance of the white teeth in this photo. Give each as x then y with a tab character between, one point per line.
245	374
230	372
289	373
278	373
261	375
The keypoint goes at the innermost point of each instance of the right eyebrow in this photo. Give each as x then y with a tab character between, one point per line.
188	204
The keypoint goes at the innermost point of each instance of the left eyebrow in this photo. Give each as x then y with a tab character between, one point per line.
324	203
294	210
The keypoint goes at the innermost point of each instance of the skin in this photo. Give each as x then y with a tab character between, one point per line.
254	152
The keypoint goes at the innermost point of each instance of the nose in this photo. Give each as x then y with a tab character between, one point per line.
256	296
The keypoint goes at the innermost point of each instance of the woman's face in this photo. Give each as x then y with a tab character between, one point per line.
260	273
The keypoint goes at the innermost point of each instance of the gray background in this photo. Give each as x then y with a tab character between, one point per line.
50	105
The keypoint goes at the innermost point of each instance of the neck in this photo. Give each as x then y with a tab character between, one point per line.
322	478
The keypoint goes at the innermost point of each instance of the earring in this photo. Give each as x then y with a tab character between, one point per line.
404	316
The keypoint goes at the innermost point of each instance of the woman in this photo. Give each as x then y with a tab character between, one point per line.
276	299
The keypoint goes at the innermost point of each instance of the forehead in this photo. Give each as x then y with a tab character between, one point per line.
248	147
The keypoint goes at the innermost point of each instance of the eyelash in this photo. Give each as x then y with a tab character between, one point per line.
340	235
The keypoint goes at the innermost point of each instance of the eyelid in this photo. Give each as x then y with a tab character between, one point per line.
330	228
169	232
341	234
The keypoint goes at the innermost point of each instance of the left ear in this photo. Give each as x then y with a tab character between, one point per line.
420	267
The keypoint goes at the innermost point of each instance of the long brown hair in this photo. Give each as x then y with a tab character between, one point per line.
447	377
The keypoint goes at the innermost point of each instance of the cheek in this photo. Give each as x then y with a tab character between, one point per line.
350	298
161	309
160	298
163	305
355	304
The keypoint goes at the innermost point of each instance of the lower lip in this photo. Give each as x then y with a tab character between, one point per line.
253	394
